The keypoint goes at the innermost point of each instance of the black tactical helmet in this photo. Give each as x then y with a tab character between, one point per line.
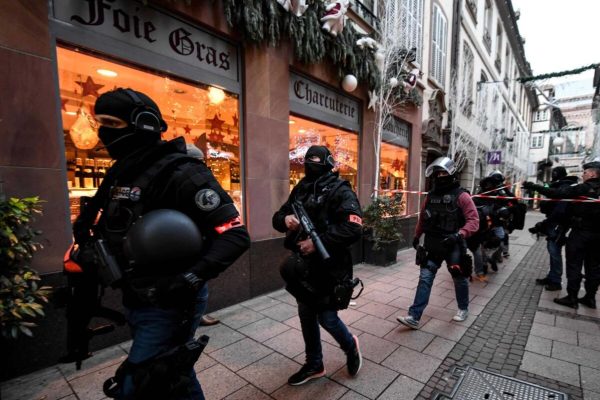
592	164
496	177
559	173
165	239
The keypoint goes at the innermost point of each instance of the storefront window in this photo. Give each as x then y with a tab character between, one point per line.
393	167
343	144
203	115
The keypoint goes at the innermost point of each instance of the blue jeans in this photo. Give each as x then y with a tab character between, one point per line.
310	319
478	261
156	330
556	264
426	277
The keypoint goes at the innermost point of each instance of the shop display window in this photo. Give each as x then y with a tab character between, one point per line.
393	171
343	144
203	115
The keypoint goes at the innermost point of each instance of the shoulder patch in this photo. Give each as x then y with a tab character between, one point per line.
207	199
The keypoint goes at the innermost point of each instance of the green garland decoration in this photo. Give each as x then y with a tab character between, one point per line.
576	71
264	21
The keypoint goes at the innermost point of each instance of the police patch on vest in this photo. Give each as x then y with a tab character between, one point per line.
120	193
135	194
207	199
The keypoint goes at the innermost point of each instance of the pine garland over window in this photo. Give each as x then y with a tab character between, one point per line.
265	22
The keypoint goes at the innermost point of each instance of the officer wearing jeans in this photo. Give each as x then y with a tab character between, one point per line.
555	227
335	212
582	243
447	218
165	295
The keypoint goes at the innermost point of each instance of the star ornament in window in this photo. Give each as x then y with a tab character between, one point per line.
216	124
90	88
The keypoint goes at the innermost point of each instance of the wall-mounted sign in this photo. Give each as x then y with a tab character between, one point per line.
317	101
494	157
396	132
143	26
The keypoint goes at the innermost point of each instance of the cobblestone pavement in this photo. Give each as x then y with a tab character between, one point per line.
513	329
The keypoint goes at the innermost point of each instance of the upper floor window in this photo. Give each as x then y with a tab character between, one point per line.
537	141
487	25
412	26
466	103
498	61
439	39
541	115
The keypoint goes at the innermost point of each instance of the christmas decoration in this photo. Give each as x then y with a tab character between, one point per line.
296	7
187	129
216	124
265	22
216	137
236	120
349	83
84	131
524	79
335	18
394	82
367	42
380	59
373	99
89	87
410	81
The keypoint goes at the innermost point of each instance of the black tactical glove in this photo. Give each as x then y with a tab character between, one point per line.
415	242
528	185
451	240
177	291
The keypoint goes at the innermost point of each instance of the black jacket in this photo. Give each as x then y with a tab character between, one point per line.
584	216
336	213
556	212
182	187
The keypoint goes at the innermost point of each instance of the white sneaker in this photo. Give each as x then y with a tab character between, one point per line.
461	315
409	321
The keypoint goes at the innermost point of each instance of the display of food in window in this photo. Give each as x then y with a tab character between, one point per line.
203	115
342	144
393	171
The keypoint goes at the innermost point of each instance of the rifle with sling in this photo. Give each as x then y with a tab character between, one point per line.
309	228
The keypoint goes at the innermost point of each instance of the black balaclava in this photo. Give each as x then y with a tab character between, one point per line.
121	142
559	173
314	170
443	182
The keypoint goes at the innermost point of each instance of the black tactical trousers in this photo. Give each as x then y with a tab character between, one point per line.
582	250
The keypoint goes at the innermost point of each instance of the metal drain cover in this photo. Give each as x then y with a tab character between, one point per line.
478	384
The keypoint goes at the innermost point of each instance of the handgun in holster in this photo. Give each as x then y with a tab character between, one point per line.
421	257
108	270
165	376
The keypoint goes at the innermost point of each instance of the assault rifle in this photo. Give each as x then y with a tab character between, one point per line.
309	228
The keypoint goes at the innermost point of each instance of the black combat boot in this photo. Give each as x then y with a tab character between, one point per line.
589	300
568	301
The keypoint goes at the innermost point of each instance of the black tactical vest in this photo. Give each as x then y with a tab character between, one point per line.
586	216
442	215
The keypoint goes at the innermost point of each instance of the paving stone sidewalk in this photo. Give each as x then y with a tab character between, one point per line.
259	345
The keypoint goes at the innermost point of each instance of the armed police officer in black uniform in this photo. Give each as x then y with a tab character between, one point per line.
152	187
321	286
448	217
582	242
555	228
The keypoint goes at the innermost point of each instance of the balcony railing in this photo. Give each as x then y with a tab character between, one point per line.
364	9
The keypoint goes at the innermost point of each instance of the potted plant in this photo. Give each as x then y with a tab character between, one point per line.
21	296
382	224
